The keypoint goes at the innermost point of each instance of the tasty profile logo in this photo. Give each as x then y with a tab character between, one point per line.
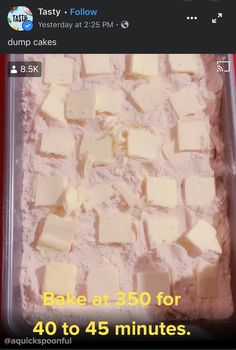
20	18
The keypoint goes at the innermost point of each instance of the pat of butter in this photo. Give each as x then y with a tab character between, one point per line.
59	278
57	141
199	191
187	101
153	283
58	233
49	190
115	227
193	135
131	198
54	103
80	105
71	200
201	239
147	96
162	230
103	280
185	63
98	194
143	144
161	191
97	147
97	64
143	65
83	192
108	101
207	280
176	159
58	70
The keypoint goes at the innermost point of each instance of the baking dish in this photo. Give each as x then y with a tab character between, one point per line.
12	213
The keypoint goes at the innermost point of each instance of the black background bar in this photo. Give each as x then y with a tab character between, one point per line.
154	26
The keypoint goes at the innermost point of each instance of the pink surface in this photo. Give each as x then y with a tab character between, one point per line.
86	253
2	113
